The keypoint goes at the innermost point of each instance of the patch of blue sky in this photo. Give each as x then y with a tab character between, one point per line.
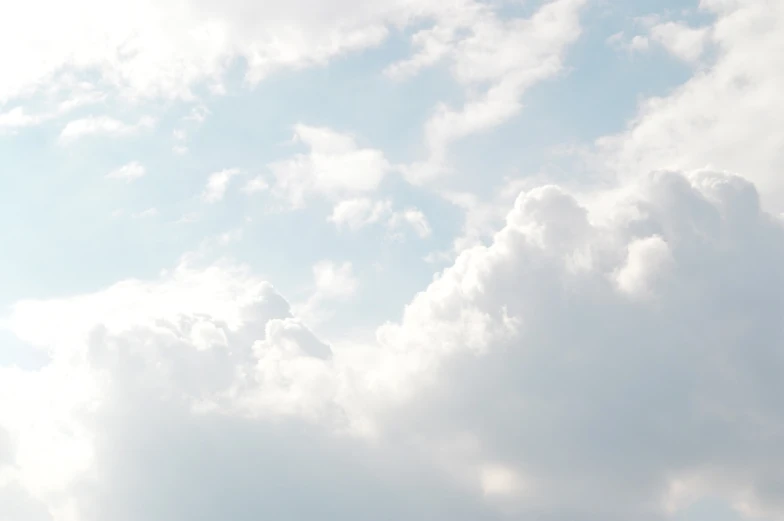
57	208
283	246
249	129
64	240
350	94
597	94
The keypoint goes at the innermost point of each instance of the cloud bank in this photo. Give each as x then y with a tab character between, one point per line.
629	351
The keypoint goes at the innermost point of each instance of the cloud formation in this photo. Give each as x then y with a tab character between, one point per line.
335	166
149	49
607	355
218	183
629	351
726	116
496	60
355	214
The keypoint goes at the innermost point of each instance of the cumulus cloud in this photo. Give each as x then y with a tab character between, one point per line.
551	363
217	184
601	362
157	363
355	214
684	42
629	351
359	212
151	49
726	116
334	166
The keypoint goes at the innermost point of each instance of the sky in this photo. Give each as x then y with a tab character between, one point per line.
437	260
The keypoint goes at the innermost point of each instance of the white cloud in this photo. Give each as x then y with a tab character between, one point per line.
102	125
525	380
359	212
638	43
218	183
150	49
198	114
255	185
682	41
334	167
354	214
625	348
413	218
17	117
727	116
194	119
647	259
331	282
488	62
334	281
593	390
128	172
482	218
434	44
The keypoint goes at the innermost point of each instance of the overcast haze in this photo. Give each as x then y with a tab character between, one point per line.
437	260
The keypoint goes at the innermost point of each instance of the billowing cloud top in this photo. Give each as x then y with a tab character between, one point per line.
344	302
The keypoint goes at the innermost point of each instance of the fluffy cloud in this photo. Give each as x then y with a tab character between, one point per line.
629	351
181	386
727	115
682	41
354	214
413	218
218	183
596	353
335	166
331	282
360	212
149	49
128	172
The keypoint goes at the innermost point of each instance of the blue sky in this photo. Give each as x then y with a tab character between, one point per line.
421	190
66	198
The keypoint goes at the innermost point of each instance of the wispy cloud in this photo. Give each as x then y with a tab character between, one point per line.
128	172
102	125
